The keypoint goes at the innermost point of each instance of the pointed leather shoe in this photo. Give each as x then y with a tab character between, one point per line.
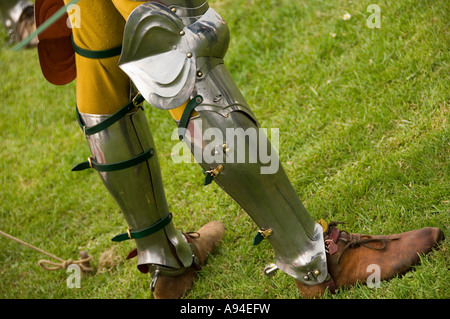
352	258
204	241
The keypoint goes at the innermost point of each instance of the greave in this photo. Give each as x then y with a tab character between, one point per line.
231	149
124	155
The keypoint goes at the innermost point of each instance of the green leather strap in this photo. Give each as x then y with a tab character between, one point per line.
185	117
138	99
90	163
136	234
101	54
261	235
208	178
257	239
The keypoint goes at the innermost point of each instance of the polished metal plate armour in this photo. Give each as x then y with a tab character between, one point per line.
138	190
160	53
171	61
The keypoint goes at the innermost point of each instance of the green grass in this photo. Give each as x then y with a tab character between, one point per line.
363	116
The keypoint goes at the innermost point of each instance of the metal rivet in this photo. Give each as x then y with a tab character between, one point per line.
173	10
154	280
316	272
199	99
270	270
306	277
225	148
199	74
189	55
214	172
266	232
181	32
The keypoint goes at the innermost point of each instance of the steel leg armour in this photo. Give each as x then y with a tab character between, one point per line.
123	154
183	60
269	199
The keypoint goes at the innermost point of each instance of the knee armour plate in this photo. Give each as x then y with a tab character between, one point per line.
163	57
171	62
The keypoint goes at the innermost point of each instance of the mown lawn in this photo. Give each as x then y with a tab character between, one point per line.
363	118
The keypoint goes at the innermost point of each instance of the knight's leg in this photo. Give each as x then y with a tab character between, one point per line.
123	152
236	153
183	61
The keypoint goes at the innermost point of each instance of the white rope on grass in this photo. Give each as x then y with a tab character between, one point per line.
49	265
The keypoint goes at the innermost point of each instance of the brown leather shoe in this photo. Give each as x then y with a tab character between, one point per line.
204	241
350	255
